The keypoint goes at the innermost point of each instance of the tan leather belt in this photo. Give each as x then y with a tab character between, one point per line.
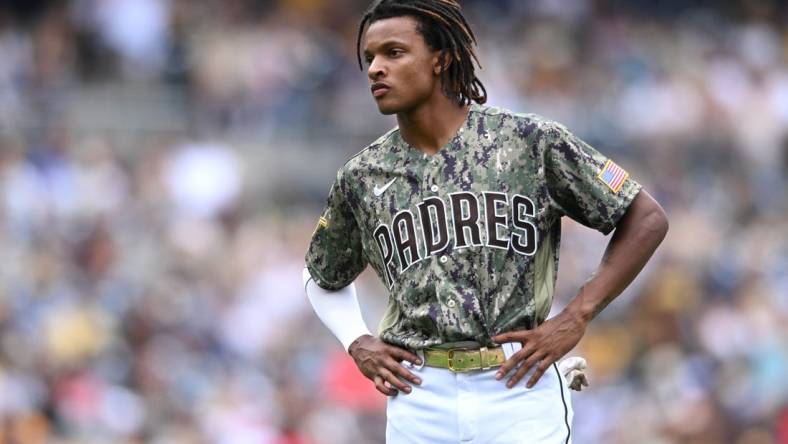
463	359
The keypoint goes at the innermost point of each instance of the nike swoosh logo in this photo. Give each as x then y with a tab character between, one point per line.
379	191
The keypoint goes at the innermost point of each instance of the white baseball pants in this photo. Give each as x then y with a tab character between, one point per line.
473	407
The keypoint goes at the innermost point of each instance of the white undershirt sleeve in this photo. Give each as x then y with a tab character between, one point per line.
339	310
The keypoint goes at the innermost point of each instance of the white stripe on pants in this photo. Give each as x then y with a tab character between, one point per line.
475	408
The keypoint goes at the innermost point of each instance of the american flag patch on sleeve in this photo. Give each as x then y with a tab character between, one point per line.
613	176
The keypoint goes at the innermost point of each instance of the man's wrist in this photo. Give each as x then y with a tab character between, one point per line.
580	314
355	343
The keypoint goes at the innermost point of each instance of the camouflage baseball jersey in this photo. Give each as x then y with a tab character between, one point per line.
465	240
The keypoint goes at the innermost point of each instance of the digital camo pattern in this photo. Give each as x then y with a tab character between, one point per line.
466	240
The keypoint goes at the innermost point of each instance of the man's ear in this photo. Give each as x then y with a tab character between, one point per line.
440	62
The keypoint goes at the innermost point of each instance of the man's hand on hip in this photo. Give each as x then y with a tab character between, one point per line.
380	363
542	346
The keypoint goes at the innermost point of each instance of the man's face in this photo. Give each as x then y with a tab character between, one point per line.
402	69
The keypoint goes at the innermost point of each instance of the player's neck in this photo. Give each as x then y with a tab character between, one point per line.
432	125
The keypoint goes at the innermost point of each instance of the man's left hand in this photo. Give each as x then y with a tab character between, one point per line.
542	346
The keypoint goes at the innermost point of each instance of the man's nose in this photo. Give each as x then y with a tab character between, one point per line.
376	69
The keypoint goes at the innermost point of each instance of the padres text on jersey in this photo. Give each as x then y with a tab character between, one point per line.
467	228
466	240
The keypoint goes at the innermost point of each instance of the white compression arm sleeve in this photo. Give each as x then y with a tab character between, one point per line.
339	310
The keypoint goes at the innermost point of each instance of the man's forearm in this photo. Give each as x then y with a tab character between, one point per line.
635	239
339	310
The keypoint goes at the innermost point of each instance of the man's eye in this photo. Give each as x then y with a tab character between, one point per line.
395	52
368	59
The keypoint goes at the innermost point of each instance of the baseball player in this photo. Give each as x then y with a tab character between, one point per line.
458	211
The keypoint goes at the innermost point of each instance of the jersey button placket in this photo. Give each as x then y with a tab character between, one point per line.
435	172
431	172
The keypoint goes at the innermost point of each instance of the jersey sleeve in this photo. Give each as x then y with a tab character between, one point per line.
335	256
583	183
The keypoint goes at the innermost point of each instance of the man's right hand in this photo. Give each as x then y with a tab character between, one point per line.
380	363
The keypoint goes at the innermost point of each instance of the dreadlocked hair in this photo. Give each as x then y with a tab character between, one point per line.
444	28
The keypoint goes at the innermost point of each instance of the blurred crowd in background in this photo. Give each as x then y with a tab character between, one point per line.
163	164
